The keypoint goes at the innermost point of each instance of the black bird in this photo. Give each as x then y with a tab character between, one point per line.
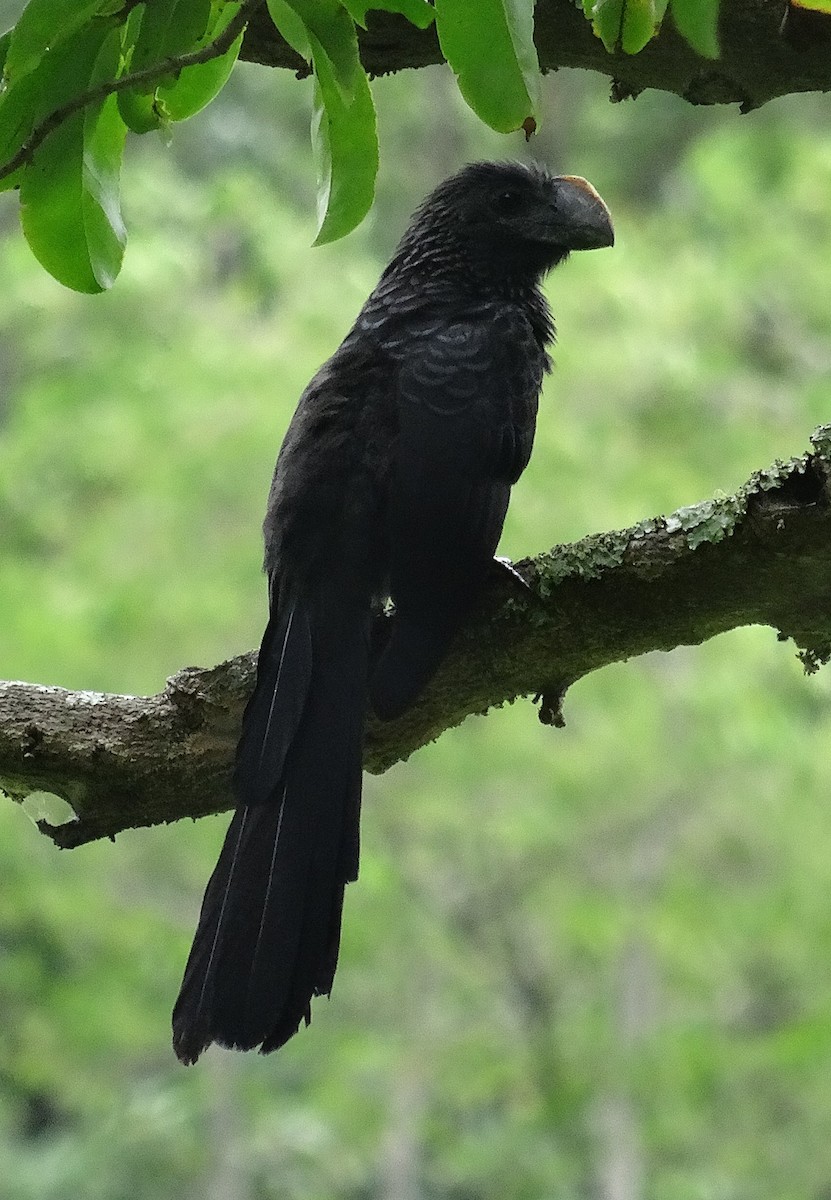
393	480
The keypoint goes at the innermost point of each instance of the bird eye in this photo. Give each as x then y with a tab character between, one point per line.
508	203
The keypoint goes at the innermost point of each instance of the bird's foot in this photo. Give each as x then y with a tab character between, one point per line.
504	566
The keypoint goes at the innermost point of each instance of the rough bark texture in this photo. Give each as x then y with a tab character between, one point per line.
762	556
767	49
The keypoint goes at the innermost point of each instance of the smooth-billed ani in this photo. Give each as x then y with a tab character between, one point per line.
393	480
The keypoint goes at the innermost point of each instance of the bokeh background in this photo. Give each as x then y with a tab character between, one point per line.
588	964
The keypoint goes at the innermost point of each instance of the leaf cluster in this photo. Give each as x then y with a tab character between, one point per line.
76	78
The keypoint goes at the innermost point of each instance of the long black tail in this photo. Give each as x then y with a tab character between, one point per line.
269	930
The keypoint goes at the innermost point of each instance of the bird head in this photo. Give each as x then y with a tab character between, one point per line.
511	218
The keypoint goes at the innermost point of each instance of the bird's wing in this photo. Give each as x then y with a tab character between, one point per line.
467	402
467	406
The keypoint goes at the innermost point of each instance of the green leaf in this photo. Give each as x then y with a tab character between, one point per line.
136	106
139	112
490	46
61	75
290	26
20	108
697	22
345	144
417	12
11	181
357	10
68	193
627	25
44	25
104	136
51	209
344	135
607	22
5	42
640	24
330	24
198	85
167	30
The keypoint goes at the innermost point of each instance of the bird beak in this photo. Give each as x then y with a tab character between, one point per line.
581	221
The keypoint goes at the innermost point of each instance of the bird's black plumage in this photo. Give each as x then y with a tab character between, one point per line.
393	480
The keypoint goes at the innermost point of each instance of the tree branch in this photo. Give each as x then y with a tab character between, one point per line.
760	59
762	556
768	50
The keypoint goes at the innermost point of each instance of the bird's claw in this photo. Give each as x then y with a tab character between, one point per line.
502	566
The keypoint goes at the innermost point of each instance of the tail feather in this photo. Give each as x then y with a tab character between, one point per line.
269	930
276	706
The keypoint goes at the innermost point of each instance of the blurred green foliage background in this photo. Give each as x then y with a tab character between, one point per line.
589	963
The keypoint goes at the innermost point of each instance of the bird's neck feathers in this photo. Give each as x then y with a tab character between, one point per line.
435	272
